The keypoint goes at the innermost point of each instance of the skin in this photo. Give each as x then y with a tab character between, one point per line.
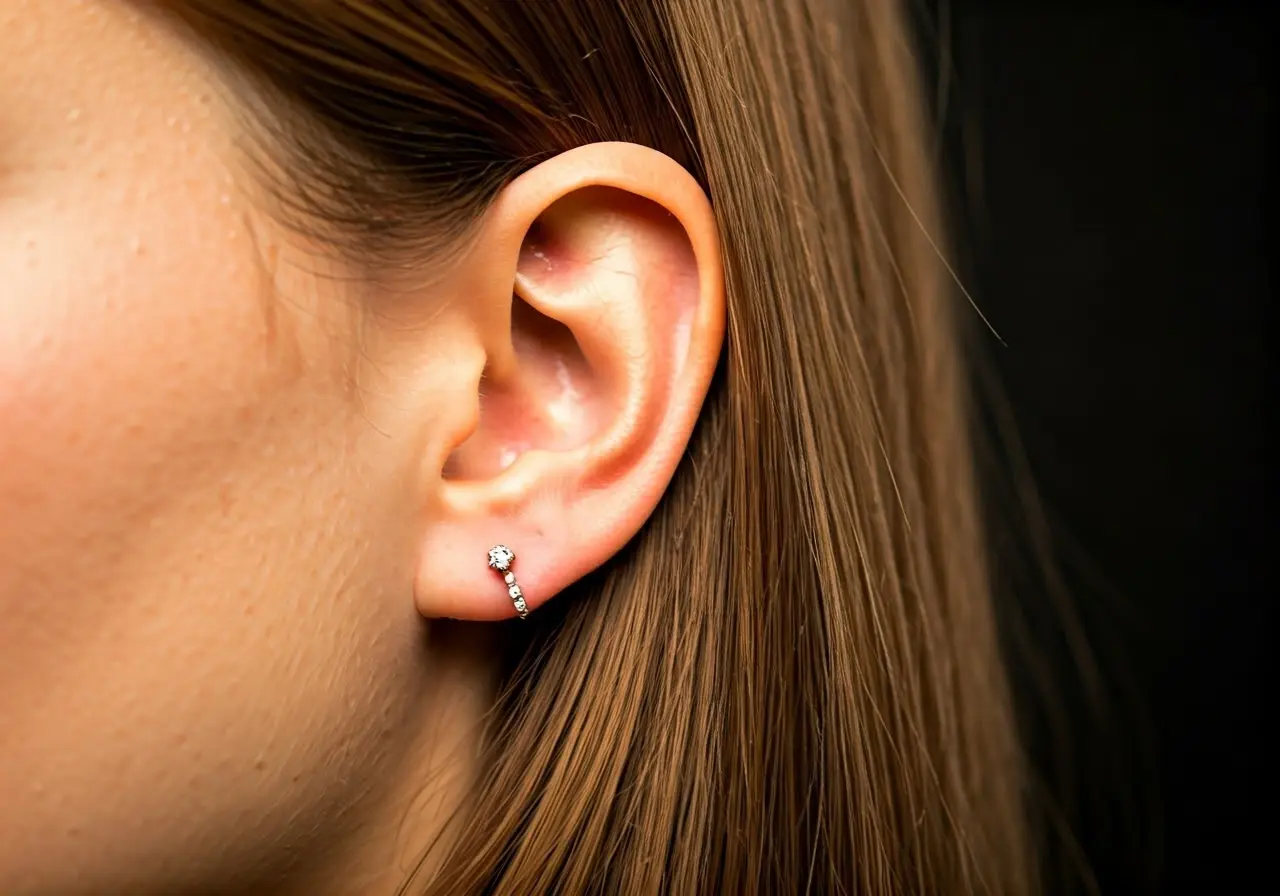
246	485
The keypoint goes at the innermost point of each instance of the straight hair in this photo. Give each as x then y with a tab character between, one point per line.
790	681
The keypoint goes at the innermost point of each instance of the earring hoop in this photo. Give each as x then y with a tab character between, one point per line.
500	559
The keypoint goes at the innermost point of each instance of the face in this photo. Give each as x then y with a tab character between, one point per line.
208	631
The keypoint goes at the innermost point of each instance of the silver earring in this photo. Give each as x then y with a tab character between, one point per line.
500	559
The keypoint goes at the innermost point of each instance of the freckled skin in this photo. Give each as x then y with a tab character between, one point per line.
207	634
245	486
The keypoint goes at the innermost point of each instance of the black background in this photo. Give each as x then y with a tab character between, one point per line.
1111	181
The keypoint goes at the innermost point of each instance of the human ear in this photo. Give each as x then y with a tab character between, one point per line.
597	304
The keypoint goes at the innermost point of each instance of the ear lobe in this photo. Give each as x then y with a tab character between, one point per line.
615	322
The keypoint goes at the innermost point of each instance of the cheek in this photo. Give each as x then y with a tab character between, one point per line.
129	341
202	586
176	536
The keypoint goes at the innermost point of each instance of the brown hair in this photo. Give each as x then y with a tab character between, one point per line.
790	681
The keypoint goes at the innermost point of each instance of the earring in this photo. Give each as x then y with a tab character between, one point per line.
500	560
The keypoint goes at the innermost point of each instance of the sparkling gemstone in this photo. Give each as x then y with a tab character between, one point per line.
521	607
509	578
500	557
515	592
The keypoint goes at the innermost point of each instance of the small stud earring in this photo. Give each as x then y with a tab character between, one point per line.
500	559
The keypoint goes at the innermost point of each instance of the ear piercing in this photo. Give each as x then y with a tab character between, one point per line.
500	559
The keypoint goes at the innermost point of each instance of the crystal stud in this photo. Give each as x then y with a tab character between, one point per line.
500	557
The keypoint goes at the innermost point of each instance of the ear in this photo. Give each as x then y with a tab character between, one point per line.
596	298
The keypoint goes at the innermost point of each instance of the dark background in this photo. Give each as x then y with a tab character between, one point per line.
1111	181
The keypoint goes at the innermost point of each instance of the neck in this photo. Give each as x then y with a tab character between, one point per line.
413	805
